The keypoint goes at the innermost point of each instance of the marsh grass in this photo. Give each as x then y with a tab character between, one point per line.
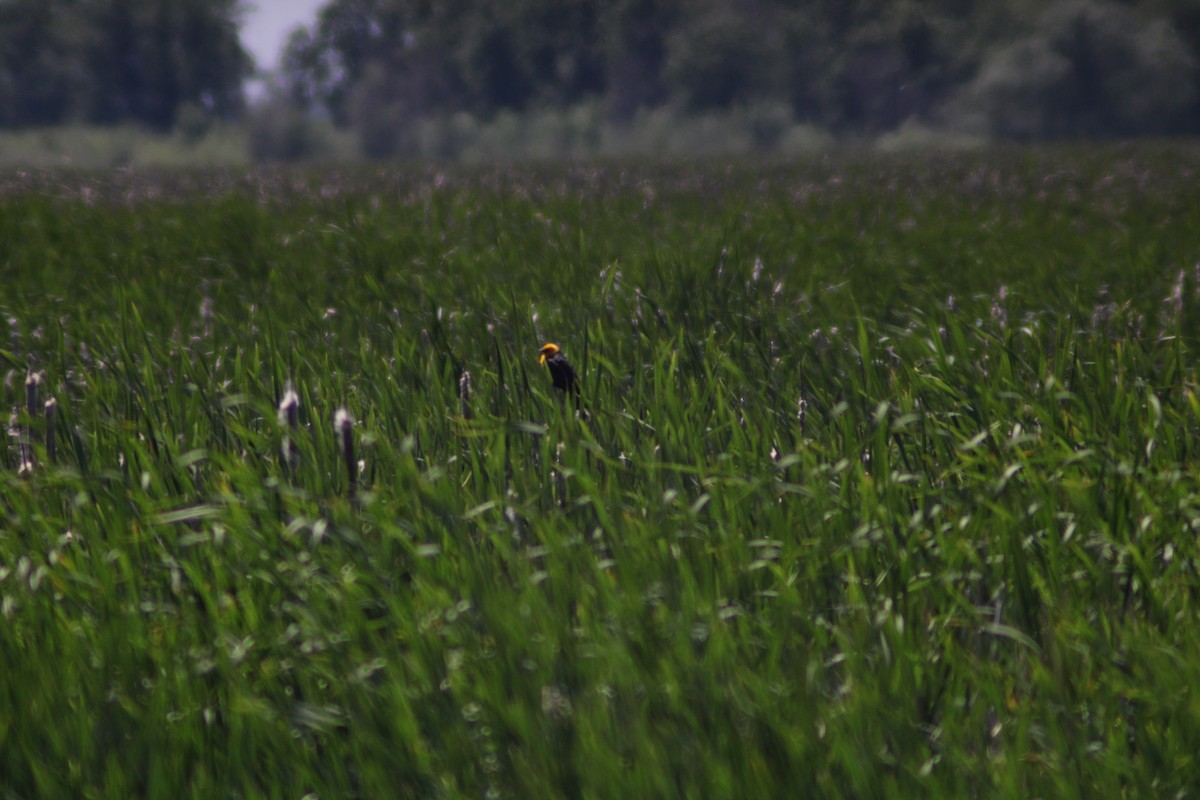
888	486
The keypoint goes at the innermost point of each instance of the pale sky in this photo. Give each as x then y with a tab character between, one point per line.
268	23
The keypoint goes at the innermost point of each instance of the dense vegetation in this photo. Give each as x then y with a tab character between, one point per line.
889	485
398	72
1021	69
161	64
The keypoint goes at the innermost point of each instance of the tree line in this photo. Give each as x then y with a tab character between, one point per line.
1014	68
1018	69
113	61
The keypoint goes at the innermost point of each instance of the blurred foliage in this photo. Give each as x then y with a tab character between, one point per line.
1016	69
1088	68
112	61
278	130
388	70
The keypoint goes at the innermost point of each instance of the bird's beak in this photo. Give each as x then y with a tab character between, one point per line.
542	360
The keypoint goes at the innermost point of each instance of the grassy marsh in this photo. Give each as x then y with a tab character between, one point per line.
889	486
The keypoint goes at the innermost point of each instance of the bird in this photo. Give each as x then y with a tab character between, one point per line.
563	375
561	371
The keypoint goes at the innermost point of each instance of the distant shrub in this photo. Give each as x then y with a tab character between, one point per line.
916	135
758	129
586	130
444	137
278	130
192	122
381	117
275	130
101	147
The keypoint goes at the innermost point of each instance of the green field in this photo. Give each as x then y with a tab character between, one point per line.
890	485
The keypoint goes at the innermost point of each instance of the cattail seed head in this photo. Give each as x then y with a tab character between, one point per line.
32	382
289	407
464	393
24	452
289	416
14	429
206	314
51	415
343	425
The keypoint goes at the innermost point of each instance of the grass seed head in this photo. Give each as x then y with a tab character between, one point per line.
560	478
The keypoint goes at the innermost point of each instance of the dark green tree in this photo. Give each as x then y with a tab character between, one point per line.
634	52
107	61
42	79
380	65
721	56
1089	69
448	55
853	66
154	56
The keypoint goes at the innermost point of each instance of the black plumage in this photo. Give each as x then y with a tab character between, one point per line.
561	371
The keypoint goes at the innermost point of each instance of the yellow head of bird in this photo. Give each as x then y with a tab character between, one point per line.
549	349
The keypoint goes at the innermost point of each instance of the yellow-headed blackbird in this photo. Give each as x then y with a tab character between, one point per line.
561	370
